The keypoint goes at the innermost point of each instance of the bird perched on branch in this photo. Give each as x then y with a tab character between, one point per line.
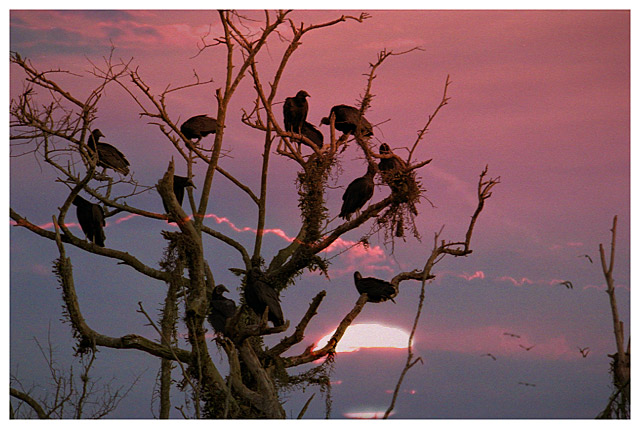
313	134
91	220
349	120
221	308
259	295
198	127
388	164
108	155
295	110
358	193
179	185
377	290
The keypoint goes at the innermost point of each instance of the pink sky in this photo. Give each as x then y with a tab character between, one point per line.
541	97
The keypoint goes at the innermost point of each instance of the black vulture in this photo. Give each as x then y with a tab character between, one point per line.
388	164
295	111
221	308
347	119
358	193
179	183
108	156
258	294
91	219
377	290
198	127
313	134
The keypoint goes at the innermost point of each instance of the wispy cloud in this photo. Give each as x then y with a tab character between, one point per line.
521	282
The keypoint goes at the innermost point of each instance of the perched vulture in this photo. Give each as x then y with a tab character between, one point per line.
221	308
358	193
347	119
313	134
198	127
91	219
388	164
258	295
108	156
295	111
377	290
179	183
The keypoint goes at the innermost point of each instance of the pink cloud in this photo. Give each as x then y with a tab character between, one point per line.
476	275
520	282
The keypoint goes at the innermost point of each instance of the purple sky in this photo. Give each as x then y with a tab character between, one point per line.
542	97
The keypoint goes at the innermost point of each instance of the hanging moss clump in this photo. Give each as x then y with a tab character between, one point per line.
311	186
400	215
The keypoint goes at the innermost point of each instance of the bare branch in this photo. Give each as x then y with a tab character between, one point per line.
310	354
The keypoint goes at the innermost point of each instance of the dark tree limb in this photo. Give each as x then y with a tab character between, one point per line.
29	401
309	355
124	257
298	335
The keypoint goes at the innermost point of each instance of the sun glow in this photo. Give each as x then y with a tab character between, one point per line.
368	335
367	414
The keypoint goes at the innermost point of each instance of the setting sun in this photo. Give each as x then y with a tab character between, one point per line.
369	335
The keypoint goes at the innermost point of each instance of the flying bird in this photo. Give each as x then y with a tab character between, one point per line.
358	193
259	295
295	110
586	256
221	308
377	290
527	348
179	184
526	384
511	335
108	156
388	164
198	127
349	120
490	355
584	352
91	219
567	283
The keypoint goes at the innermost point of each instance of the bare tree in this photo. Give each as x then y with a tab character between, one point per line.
59	134
619	405
71	395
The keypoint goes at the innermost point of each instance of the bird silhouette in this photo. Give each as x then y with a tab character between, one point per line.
108	155
91	220
511	335
221	308
198	127
584	351
348	120
527	348
490	355
259	295
388	164
179	185
358	193
295	110
567	284
586	256
526	384
377	290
